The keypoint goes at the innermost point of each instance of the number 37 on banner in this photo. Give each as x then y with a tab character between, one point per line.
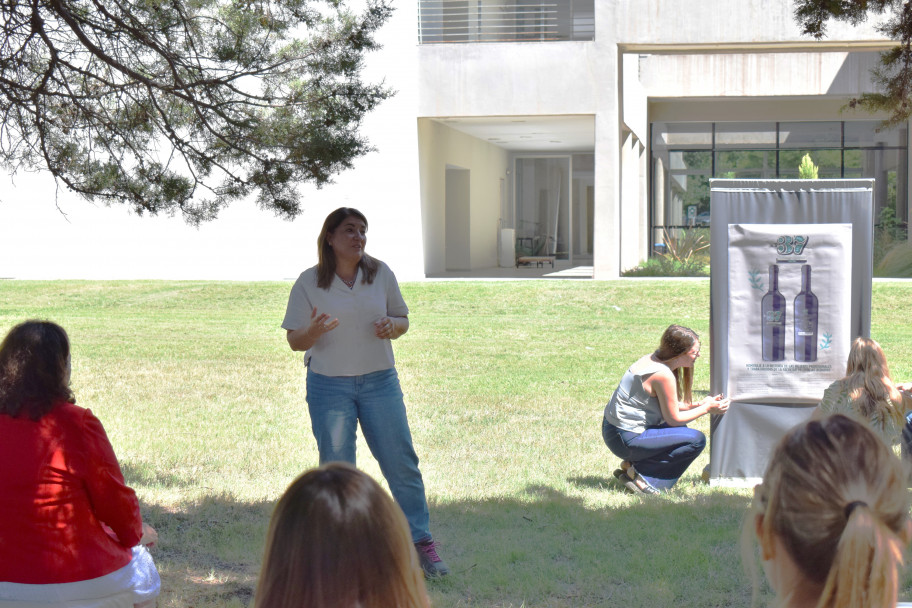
791	245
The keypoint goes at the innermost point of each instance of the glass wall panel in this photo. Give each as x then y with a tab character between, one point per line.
686	155
687	188
682	135
746	164
868	133
542	206
810	134
745	135
829	163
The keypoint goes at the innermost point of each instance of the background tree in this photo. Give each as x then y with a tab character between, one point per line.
186	105
807	169
894	75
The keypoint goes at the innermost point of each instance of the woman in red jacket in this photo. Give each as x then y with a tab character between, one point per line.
70	528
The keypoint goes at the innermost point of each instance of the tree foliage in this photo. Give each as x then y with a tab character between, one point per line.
894	75
807	169
186	105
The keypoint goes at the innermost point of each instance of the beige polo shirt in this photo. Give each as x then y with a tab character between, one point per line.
352	348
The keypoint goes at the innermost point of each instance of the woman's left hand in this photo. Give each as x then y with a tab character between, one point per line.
385	328
149	535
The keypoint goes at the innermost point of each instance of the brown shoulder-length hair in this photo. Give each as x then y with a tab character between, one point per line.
835	496
34	377
326	266
677	340
336	538
868	382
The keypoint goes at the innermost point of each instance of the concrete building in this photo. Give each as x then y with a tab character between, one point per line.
602	132
582	129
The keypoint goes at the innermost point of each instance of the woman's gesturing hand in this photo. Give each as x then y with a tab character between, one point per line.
320	324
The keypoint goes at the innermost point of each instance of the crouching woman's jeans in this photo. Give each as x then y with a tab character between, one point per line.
338	403
660	454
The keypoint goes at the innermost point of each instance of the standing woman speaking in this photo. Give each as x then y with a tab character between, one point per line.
343	313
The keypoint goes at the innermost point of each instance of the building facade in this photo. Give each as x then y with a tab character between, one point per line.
583	129
589	129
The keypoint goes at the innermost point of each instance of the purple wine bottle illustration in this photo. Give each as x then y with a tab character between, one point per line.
772	311
805	319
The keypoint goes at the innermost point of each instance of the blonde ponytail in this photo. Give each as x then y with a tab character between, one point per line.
868	563
835	496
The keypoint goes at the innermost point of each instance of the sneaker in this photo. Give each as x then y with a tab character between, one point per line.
430	562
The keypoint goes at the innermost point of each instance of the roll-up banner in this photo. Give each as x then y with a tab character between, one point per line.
790	290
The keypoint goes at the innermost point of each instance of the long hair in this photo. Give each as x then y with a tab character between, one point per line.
326	266
868	382
677	340
34	376
835	496
337	539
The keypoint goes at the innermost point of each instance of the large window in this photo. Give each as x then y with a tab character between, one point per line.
686	155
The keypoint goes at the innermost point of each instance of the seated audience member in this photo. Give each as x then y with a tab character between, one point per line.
831	518
867	394
70	528
338	539
645	422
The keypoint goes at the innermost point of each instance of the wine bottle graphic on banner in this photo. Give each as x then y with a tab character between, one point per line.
805	319
772	310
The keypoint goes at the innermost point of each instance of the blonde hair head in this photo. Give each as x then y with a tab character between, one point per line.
868	382
677	340
835	496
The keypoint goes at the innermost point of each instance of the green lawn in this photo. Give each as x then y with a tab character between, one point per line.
505	384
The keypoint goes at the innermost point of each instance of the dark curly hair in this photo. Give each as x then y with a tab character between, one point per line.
34	373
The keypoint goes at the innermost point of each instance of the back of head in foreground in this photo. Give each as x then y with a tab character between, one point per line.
34	369
338	539
832	517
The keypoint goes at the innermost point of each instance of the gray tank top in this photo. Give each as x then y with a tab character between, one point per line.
632	408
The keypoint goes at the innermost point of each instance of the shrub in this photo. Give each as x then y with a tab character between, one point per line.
686	255
897	262
888	233
807	169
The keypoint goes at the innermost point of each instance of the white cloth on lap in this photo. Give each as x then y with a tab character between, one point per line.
136	582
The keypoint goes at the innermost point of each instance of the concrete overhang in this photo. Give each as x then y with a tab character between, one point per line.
786	46
529	133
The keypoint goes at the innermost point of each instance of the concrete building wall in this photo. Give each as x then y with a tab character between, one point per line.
651	60
715	23
757	74
509	79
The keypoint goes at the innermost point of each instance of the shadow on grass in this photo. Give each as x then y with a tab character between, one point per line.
546	548
209	553
539	548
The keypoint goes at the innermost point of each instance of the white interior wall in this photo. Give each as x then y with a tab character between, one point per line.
458	215
440	146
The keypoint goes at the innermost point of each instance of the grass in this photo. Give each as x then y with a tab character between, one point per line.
505	384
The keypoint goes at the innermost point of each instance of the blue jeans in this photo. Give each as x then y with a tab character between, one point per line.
660	454
338	403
